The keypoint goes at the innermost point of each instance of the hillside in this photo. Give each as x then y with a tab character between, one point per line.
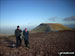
47	27
3	35
41	44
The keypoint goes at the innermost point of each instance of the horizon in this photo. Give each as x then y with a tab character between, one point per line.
11	30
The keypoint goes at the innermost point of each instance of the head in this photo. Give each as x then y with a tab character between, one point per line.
26	29
18	27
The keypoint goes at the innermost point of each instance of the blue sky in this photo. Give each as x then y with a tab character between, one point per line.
34	12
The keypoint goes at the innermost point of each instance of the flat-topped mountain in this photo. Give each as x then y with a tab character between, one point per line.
47	27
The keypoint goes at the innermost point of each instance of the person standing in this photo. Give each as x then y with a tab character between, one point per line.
18	34
26	37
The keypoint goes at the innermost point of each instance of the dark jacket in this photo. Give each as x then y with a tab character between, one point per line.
26	34
17	32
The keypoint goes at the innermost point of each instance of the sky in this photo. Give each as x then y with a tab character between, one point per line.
33	12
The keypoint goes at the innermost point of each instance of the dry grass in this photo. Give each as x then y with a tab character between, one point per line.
41	44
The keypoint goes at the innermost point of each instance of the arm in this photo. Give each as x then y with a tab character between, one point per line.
24	33
28	32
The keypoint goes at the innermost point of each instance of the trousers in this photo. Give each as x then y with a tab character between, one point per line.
18	41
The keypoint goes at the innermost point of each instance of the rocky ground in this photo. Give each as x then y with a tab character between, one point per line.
41	44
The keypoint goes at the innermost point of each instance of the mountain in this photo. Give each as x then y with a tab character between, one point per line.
47	27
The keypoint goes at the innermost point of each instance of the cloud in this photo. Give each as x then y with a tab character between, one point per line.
52	18
69	18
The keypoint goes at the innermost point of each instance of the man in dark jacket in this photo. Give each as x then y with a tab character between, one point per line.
26	37
18	34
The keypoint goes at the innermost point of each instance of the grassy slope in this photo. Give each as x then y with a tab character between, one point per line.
53	27
59	27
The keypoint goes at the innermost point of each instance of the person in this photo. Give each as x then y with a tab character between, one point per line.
18	34
26	37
